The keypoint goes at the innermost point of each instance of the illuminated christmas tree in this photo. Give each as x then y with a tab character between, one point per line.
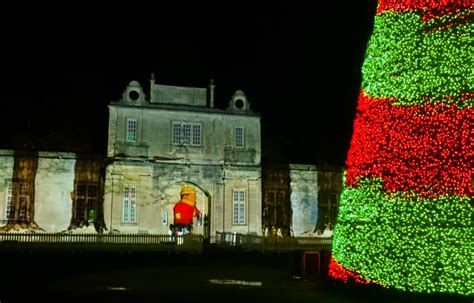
406	213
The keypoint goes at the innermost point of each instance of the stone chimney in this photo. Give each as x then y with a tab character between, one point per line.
211	93
152	82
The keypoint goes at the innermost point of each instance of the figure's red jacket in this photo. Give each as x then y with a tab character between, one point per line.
186	212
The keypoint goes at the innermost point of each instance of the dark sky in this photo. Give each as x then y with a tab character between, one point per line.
297	61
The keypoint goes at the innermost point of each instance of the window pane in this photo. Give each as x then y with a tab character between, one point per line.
86	202
132	211
239	137
23	203
126	192
186	134
80	209
125	210
270	197
92	190
129	204
131	130
24	188
238	215
18	200
242	213
91	203
176	133
81	190
196	134
9	212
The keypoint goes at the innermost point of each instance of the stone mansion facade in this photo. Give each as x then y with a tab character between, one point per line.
157	143
177	137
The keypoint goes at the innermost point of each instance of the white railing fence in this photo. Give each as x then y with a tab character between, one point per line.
157	242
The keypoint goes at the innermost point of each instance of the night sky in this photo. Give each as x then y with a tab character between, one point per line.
297	61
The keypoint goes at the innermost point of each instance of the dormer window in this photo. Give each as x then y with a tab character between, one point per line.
239	103
133	94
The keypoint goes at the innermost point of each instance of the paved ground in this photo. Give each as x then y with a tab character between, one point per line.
217	275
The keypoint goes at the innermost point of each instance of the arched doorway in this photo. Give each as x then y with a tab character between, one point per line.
204	205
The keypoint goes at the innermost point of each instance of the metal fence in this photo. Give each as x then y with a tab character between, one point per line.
272	244
98	242
156	242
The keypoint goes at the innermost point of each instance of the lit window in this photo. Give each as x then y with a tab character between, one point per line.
238	206
131	130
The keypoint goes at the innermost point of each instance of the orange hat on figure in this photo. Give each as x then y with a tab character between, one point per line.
186	190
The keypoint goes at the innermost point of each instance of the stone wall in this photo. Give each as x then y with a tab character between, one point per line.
54	184
304	198
159	186
51	178
6	173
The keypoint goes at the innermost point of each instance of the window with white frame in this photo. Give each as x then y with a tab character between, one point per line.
196	131
132	130
185	133
176	135
239	137
129	208
238	206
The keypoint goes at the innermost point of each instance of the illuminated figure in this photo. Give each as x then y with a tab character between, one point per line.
185	211
405	218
